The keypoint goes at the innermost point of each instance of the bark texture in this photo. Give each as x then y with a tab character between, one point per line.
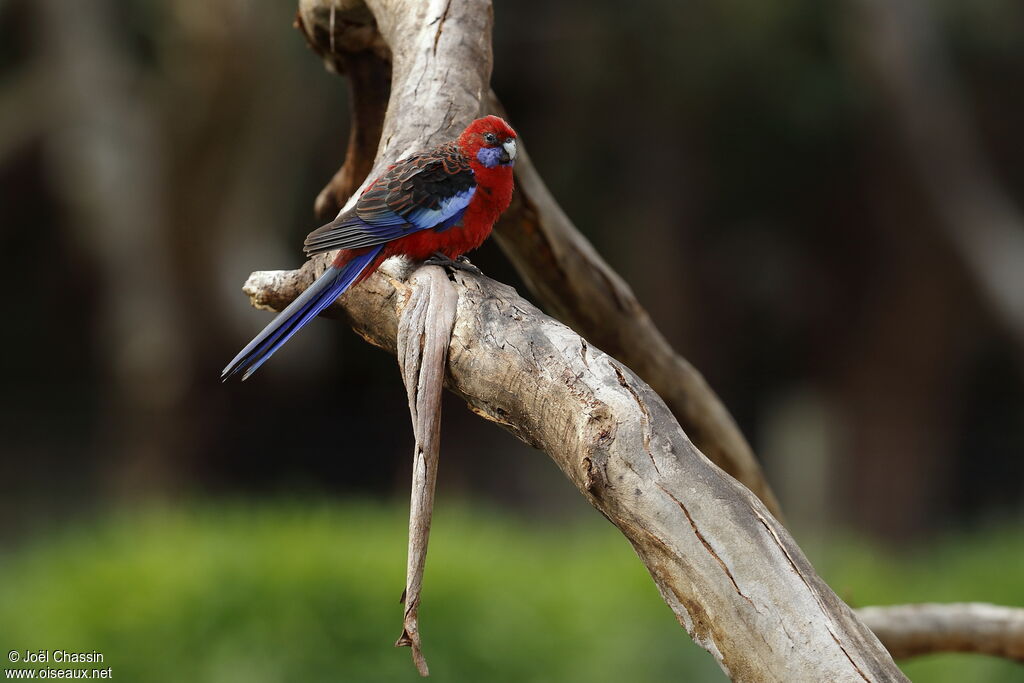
732	574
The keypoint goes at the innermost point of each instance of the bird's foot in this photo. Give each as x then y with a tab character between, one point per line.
461	263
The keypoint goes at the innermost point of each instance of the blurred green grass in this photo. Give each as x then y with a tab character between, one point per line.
290	591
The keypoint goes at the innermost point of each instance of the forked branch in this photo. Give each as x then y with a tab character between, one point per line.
560	266
729	571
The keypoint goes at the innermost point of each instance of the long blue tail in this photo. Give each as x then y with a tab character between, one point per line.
307	306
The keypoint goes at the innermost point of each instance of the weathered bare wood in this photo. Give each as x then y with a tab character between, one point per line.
729	571
424	328
732	575
911	630
556	261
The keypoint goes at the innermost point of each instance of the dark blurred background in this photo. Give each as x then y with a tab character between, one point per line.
737	163
817	202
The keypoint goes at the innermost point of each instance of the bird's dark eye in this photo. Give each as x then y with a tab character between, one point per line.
490	138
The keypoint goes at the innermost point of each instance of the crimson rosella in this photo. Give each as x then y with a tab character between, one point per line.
434	205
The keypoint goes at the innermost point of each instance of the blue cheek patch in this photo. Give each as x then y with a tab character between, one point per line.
489	156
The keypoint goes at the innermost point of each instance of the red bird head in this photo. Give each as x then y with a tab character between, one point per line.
489	142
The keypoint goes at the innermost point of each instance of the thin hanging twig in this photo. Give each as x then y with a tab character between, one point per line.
424	331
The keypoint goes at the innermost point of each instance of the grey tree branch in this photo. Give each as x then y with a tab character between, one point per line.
729	571
424	329
517	384
579	288
731	574
557	262
910	630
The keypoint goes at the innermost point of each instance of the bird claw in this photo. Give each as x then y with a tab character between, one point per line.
461	263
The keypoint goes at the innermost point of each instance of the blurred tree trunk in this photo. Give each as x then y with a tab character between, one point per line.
900	383
895	379
900	51
169	184
109	162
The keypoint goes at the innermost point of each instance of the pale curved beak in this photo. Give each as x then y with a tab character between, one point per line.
510	151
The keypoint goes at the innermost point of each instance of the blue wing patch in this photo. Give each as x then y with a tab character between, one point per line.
438	218
430	190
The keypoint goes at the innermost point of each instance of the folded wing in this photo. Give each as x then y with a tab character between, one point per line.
429	190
